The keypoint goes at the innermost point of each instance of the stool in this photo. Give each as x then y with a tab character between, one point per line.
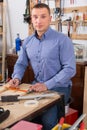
71	116
25	125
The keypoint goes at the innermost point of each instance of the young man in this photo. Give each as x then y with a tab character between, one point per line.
52	58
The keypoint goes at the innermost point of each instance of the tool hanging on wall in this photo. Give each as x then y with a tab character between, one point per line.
68	25
71	1
27	17
56	12
48	2
62	2
75	18
39	1
61	13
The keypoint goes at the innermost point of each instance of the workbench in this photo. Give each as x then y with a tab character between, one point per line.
77	81
19	111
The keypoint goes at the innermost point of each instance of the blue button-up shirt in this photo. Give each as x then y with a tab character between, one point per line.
51	57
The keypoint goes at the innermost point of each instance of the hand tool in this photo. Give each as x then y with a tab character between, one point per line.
13	98
82	126
61	121
62	2
68	25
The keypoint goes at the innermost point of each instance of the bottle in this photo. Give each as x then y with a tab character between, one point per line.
18	44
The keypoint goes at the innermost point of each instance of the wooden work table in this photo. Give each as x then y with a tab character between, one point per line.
19	111
77	81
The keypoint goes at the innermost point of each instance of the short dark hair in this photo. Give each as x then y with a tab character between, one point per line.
41	5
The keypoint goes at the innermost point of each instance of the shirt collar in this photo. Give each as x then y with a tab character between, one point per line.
45	34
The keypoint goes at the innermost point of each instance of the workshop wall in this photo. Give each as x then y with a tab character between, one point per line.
15	10
80	44
17	25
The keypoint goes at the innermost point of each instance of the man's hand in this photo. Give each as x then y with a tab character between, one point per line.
38	87
14	82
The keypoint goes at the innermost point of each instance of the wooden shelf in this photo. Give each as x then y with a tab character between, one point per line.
79	8
83	23
74	24
79	36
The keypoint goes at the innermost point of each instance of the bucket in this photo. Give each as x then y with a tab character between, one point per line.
63	127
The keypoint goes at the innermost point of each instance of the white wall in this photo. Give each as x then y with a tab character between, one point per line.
15	11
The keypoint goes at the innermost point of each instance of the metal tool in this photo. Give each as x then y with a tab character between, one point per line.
68	25
13	98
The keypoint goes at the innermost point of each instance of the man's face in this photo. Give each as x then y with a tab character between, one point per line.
40	19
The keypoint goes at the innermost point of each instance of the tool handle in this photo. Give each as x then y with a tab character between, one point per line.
82	126
61	121
9	98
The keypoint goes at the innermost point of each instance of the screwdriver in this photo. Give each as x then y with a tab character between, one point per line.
61	121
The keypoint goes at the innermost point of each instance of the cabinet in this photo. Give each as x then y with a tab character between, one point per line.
78	87
2	38
28	75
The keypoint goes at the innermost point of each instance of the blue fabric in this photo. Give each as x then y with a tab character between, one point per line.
50	117
52	59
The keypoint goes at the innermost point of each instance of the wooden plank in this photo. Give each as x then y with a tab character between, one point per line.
79	8
4	40
6	90
85	97
79	36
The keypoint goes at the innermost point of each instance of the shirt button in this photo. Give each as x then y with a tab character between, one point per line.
37	57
